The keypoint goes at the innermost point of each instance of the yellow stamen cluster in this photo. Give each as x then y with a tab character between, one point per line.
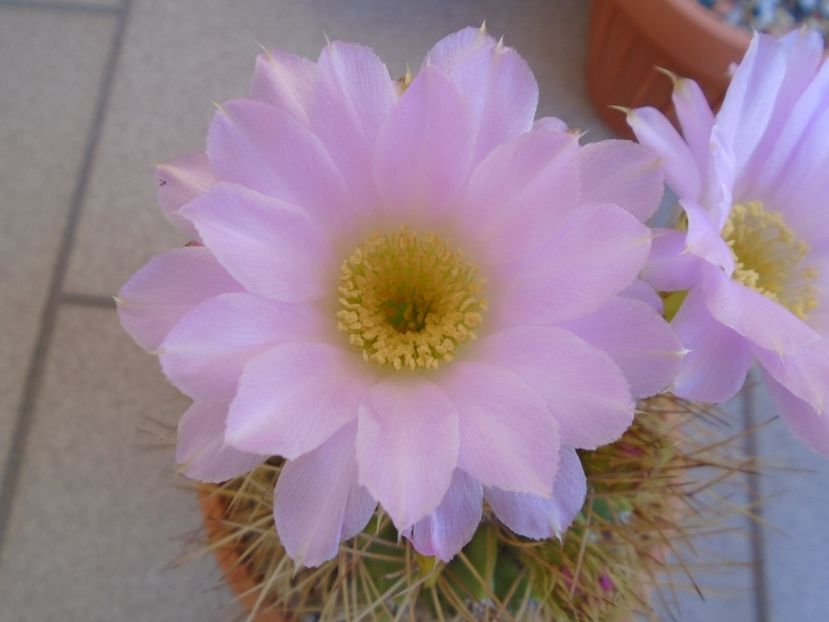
407	300
769	257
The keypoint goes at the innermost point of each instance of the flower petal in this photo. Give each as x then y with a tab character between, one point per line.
638	339
540	518
318	502
805	423
204	354
407	447
294	397
596	253
352	100
751	96
497	82
424	151
180	181
623	173
715	367
655	131
284	80
670	268
521	191
583	388
201	450
262	147
804	373
508	437
643	292
167	288
695	118
801	147
755	316
550	124
704	239
271	247
451	526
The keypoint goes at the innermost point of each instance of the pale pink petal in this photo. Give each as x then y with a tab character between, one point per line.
204	354
715	367
703	238
670	267
805	423
407	447
695	119
796	147
166	288
451	526
550	124
803	51
318	502
180	181
565	371
201	451
352	100
540	518
424	151
284	80
643	292
294	397
797	194
655	131
623	173
755	316
459	47
497	82
638	339
794	180
260	146
273	248
804	373
597	251
358	509
509	438
521	191
721	176
750	100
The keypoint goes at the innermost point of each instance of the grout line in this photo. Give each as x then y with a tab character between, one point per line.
88	300
755	500
34	373
67	7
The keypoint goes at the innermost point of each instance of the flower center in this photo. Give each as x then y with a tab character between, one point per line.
408	300
769	257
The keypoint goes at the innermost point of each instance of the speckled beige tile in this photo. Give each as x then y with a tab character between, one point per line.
50	68
98	514
69	5
796	508
179	57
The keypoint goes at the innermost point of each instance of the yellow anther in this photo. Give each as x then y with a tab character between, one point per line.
769	257
408	300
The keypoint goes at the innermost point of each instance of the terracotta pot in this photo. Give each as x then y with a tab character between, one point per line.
237	575
628	39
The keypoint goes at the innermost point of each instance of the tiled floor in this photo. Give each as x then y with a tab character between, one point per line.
96	92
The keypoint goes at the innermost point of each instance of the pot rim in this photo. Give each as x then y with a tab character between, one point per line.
236	573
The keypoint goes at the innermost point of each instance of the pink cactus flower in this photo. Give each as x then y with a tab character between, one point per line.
753	182
414	293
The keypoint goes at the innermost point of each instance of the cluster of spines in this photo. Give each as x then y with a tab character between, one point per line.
649	494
